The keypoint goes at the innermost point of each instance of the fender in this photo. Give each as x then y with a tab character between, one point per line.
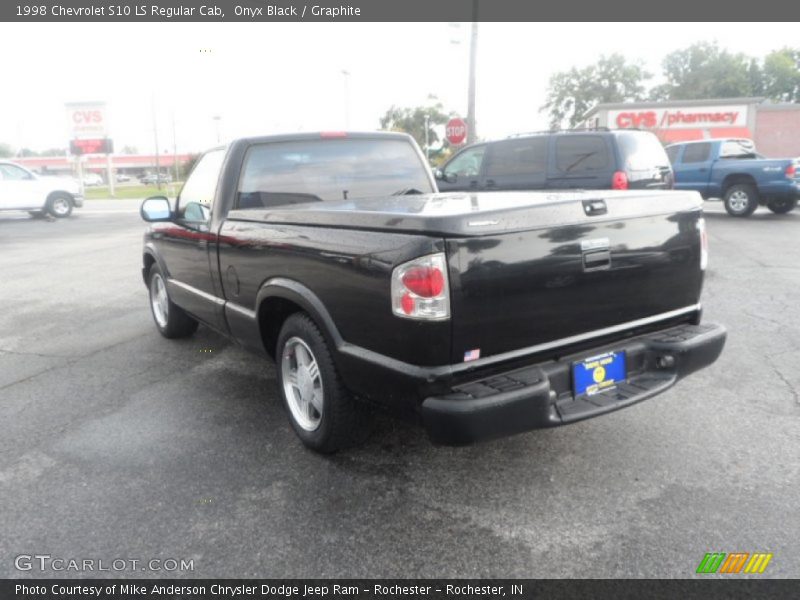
289	289
150	250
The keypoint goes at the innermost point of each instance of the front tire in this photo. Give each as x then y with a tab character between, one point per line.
323	413
59	205
171	320
741	200
782	206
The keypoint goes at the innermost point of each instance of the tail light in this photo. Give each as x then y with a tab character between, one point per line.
701	227
420	289
791	171
619	181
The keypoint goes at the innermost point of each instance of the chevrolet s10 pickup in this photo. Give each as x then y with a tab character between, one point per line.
480	315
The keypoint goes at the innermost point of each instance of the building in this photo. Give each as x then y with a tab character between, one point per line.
775	128
133	165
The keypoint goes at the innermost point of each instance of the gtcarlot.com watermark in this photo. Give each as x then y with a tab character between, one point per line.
58	564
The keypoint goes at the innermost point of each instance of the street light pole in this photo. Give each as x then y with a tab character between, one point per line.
472	133
346	75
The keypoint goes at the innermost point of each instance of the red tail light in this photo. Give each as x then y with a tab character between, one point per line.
333	134
420	290
424	281
791	171
619	181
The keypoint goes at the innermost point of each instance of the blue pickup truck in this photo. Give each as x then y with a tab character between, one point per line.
731	169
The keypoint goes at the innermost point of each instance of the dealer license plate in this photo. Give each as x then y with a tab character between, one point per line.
599	373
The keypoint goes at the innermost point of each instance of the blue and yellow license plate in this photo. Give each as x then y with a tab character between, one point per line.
599	373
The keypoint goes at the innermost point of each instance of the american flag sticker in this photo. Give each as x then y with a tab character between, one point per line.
472	354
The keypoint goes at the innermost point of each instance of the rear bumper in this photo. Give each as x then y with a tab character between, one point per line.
540	395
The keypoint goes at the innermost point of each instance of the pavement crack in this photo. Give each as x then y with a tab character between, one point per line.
39	354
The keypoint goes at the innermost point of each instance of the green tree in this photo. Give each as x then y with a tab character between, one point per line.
6	151
781	75
704	70
412	120
570	94
130	150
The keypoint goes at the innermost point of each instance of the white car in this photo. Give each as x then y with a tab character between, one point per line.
90	179
22	190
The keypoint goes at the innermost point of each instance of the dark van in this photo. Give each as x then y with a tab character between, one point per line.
582	159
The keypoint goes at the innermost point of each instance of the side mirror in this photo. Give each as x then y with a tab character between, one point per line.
437	173
156	208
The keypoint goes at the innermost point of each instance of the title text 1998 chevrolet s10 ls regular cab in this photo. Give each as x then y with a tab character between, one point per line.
483	314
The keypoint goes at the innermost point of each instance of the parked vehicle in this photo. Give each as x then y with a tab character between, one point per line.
122	177
92	179
20	189
577	159
155	178
482	314
731	169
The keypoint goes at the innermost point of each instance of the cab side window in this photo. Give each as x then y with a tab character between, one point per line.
197	196
13	173
466	165
697	153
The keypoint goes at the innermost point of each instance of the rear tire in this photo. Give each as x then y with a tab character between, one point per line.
170	319
741	200
782	206
59	205
323	413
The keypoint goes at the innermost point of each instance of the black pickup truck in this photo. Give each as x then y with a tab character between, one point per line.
481	315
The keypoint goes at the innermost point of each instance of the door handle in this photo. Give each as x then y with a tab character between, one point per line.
490	183
595	261
473	184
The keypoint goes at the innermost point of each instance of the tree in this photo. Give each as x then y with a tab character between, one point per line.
570	94
412	120
704	70
781	75
130	150
6	151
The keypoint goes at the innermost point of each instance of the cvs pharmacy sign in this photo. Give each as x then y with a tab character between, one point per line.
690	117
87	120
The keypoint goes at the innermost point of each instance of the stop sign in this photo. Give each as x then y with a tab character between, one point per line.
456	131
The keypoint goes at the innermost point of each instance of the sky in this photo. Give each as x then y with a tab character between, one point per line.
173	79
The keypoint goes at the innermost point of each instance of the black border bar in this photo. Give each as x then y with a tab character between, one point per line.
432	589
396	10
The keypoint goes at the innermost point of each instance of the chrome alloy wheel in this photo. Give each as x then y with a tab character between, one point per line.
302	383
60	206
159	300
738	201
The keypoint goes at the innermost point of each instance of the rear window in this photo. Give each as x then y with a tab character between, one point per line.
642	151
672	153
581	153
695	153
518	157
281	173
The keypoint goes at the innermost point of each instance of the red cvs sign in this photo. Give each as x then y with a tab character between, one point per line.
456	131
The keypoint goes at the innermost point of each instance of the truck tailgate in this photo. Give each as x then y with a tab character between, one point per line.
602	269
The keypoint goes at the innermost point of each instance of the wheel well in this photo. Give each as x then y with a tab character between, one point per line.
149	261
735	179
272	313
55	193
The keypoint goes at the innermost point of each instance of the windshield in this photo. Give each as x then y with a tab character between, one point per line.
307	171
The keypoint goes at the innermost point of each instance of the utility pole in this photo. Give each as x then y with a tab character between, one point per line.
174	148
155	139
472	133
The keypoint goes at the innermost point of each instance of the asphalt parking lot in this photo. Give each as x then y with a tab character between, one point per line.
118	444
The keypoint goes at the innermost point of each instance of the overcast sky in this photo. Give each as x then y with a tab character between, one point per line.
273	78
